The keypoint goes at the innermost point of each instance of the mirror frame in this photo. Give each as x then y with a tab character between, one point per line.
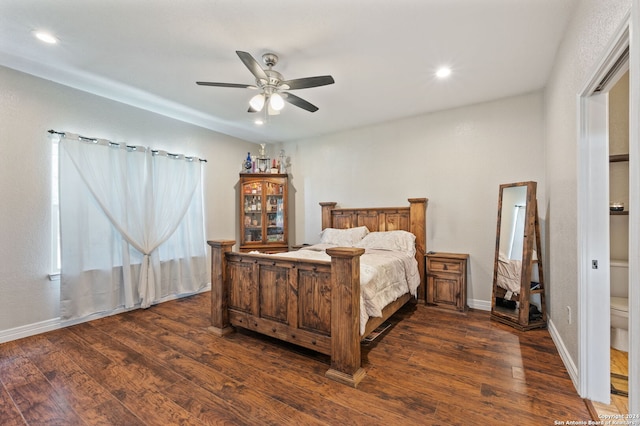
530	235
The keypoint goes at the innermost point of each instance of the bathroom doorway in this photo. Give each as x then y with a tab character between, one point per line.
618	135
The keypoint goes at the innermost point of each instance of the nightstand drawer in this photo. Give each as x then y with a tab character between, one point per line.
445	265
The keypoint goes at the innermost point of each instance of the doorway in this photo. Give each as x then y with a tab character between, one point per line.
594	226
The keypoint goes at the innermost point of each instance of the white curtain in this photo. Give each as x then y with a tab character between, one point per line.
132	226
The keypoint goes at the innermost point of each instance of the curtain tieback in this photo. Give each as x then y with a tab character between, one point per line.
146	289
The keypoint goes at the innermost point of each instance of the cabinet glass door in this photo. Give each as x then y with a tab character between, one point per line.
274	206
252	207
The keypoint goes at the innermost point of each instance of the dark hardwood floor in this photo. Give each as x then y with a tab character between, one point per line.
160	366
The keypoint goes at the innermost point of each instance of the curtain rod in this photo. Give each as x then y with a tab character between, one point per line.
153	151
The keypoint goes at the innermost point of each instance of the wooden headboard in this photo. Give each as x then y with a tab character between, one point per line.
412	219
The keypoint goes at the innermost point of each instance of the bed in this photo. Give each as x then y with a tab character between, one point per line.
310	301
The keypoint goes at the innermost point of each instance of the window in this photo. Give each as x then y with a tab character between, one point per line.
132	223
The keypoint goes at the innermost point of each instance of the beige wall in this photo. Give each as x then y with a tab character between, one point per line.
593	25
456	158
29	106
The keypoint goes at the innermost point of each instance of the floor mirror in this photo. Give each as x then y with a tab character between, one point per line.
518	297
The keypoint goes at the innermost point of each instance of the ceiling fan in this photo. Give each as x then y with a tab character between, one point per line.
273	87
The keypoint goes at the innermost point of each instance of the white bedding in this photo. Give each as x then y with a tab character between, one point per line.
384	276
508	275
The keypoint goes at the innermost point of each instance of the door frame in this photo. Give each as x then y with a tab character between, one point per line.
634	212
593	221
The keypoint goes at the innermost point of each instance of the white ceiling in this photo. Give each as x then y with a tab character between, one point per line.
382	55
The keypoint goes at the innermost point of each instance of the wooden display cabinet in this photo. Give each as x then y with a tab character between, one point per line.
447	281
263	212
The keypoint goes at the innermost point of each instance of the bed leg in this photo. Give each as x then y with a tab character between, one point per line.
220	325
345	316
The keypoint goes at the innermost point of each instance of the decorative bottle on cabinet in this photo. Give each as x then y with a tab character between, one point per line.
263	212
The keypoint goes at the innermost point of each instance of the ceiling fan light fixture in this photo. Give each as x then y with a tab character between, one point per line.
271	111
257	102
276	102
270	83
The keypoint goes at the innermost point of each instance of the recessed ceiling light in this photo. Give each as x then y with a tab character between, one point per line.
443	72
46	37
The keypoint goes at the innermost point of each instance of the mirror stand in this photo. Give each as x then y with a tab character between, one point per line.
518	297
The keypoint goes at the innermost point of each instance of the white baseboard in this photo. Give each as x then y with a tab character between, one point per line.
482	305
29	330
57	323
571	367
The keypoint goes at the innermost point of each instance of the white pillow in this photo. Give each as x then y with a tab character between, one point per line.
402	241
343	237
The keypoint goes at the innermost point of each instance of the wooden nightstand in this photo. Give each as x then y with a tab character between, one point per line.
447	280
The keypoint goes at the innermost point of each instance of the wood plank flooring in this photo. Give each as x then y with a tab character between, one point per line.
619	373
161	366
619	382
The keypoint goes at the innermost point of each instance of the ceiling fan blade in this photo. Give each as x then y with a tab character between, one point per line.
240	86
252	64
304	83
299	102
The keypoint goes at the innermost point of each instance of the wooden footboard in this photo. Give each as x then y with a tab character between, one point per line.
314	304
